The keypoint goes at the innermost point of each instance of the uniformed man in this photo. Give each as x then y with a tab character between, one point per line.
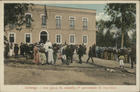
55	50
71	53
16	49
80	53
133	55
68	54
105	53
21	49
90	55
94	50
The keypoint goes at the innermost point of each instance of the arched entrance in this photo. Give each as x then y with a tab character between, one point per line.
43	36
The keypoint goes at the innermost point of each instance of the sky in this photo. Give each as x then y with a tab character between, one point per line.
98	7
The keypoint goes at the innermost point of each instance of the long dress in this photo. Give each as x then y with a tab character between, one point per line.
10	52
42	58
50	56
47	45
36	55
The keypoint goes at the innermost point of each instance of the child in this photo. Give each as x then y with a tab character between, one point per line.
121	61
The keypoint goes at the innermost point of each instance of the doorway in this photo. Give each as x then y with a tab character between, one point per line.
43	36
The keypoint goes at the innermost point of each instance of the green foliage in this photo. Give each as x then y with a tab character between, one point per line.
104	39
14	14
134	37
127	40
123	16
108	39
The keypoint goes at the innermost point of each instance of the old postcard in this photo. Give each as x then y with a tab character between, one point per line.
81	46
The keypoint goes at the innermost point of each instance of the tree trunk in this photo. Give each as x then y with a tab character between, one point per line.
122	40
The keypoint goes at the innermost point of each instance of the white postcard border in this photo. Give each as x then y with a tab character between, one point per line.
100	88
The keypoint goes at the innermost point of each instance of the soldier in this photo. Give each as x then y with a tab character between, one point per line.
55	50
109	53
90	55
68	54
16	49
27	51
84	48
112	54
94	50
21	49
24	48
71	53
133	55
31	50
102	51
105	53
80	53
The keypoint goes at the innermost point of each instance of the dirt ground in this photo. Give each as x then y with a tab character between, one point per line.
103	72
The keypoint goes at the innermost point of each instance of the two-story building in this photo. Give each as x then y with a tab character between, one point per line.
56	24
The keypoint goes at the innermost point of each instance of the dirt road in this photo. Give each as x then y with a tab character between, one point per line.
74	74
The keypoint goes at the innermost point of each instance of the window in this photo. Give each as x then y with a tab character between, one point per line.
12	37
58	39
28	20
27	37
43	20
72	39
85	39
58	22
72	22
85	23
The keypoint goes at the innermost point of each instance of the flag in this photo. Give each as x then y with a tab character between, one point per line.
45	11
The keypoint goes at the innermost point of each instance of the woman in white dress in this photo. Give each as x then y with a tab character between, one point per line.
50	56
42	56
11	50
46	46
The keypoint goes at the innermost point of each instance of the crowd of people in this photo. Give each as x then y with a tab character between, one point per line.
125	55
48	53
45	53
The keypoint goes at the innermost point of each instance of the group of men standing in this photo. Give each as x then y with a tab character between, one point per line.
14	50
67	52
108	53
48	53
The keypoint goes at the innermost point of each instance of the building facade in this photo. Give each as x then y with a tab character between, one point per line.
56	24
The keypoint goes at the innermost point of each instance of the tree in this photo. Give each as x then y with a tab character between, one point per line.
123	17
104	37
100	33
109	40
134	37
14	14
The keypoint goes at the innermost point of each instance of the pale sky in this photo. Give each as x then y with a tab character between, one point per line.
98	7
